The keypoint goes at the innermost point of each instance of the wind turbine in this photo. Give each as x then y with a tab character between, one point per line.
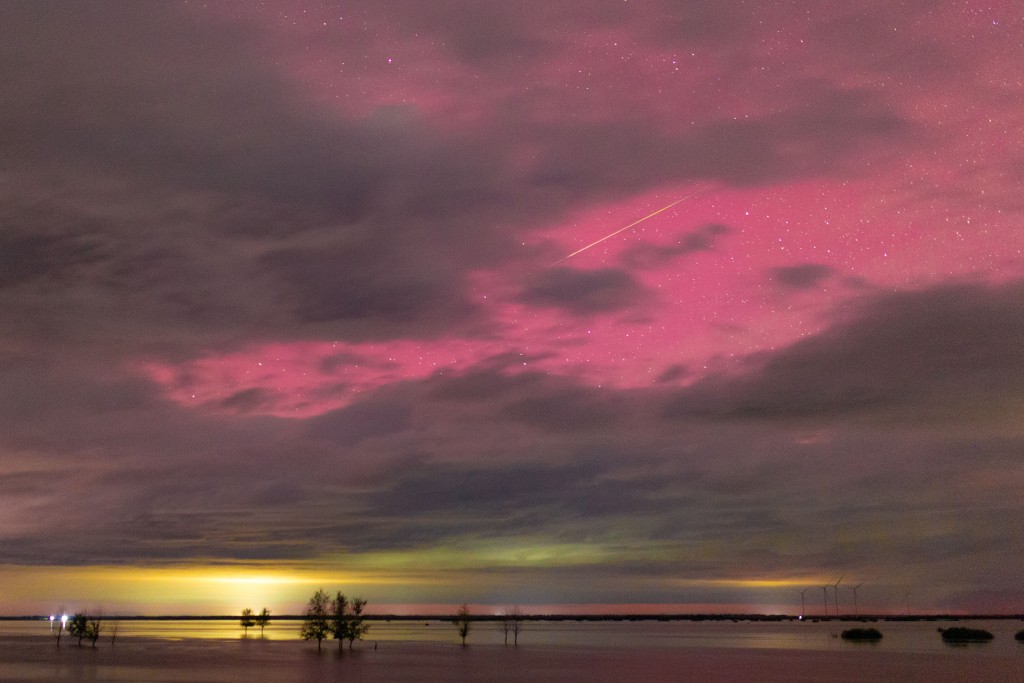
835	588
824	589
856	612
802	608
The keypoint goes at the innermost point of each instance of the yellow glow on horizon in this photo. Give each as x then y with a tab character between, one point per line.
194	589
418	575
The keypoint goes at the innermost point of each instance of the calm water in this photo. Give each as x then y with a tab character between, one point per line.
920	636
559	652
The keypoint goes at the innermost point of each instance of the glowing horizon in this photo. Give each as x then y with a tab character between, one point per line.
222	590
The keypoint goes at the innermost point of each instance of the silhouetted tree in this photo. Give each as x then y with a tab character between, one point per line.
355	627
263	620
316	625
247	620
517	624
339	624
115	626
78	626
348	620
512	622
92	631
462	622
62	626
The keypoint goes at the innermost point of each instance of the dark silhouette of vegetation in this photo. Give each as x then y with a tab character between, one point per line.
95	627
1020	636
115	626
82	627
960	634
61	626
355	626
316	625
77	626
248	620
512	622
348	622
263	620
462	622
872	635
338	623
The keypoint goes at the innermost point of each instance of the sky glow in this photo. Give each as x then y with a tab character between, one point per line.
394	298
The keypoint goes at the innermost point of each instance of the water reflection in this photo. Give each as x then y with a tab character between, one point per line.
899	636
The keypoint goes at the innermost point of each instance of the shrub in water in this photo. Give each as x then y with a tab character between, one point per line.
862	634
959	634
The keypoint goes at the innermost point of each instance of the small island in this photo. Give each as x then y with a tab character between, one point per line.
862	635
959	634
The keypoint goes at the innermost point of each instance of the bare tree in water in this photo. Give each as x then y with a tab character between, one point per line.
517	624
463	622
512	622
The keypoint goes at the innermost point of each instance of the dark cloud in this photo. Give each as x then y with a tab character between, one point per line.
213	161
352	425
645	255
699	21
486	493
327	285
480	32
568	409
229	196
803	276
248	400
909	351
584	292
673	372
486	383
28	257
818	132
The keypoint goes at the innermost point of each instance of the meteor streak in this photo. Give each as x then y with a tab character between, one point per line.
636	222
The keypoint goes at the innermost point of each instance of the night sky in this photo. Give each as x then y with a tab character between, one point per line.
288	301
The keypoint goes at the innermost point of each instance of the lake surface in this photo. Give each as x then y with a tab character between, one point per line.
428	651
899	636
